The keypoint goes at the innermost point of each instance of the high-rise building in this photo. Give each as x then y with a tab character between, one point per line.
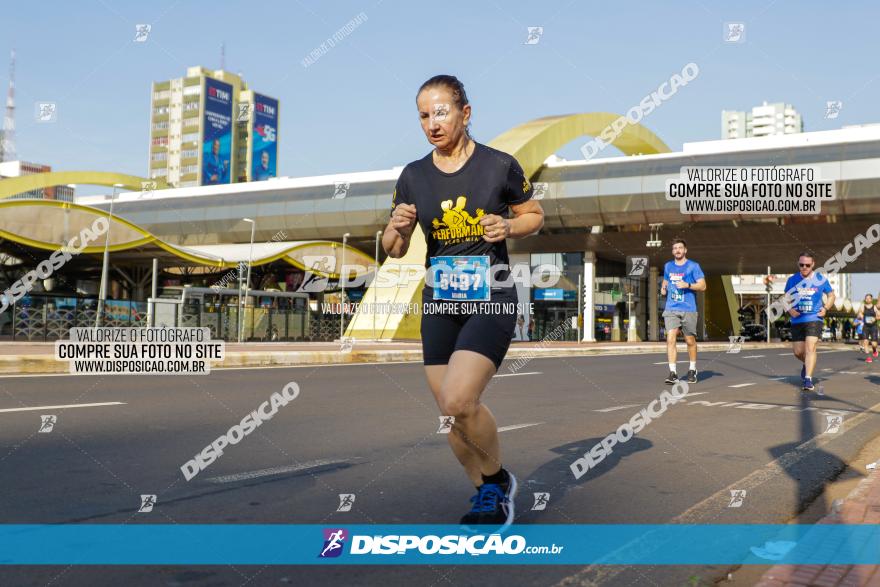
19	168
208	128
764	120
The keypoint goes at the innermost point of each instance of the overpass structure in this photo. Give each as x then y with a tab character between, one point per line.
603	210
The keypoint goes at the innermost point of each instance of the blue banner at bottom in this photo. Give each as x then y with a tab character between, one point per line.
244	544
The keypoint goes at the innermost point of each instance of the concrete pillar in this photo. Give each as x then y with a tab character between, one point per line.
632	329
615	324
589	308
654	319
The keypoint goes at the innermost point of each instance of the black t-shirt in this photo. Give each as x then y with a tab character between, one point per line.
449	205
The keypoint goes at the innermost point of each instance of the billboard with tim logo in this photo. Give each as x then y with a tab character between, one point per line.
217	133
264	142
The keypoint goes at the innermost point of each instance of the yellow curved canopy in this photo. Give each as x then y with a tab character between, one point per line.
25	183
50	224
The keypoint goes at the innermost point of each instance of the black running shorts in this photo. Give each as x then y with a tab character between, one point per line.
481	327
870	331
800	331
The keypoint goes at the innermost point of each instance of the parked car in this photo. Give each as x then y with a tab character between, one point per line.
784	333
754	332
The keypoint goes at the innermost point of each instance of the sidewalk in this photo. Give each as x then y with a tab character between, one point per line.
861	506
38	357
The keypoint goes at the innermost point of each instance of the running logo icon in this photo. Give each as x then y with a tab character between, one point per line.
446	423
346	500
734	32
340	189
47	423
147	503
46	111
636	266
244	112
315	279
737	497
334	541
735	345
534	37
541	500
834	424
141	32
540	190
833	108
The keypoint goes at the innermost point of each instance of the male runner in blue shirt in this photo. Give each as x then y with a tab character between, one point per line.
681	278
806	290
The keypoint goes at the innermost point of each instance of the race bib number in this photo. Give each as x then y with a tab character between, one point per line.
461	278
677	295
805	305
870	319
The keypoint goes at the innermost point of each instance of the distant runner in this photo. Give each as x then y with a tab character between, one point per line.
868	315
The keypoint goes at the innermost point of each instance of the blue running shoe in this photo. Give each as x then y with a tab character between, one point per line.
808	384
803	373
493	505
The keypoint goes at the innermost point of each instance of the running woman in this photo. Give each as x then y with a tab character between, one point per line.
807	289
681	278
868	314
462	195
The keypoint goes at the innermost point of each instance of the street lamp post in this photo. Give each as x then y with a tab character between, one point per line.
102	289
342	284
242	301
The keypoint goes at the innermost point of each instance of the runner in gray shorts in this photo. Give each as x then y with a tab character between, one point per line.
681	278
684	321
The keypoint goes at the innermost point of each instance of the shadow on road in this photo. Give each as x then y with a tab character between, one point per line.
556	477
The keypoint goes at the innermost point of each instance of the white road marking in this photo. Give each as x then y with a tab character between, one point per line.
517	426
64	407
515	374
275	471
615	408
667	362
784	354
827	369
778	378
851	372
753	356
741	385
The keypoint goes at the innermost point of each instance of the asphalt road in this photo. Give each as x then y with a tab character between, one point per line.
371	430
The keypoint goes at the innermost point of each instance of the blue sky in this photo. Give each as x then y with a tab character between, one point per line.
354	108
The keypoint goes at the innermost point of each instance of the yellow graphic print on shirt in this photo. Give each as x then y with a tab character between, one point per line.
457	225
526	185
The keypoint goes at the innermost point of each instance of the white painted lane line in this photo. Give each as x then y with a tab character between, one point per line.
515	374
753	356
615	408
518	426
65	407
851	372
667	362
784	354
741	385
778	378
276	470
